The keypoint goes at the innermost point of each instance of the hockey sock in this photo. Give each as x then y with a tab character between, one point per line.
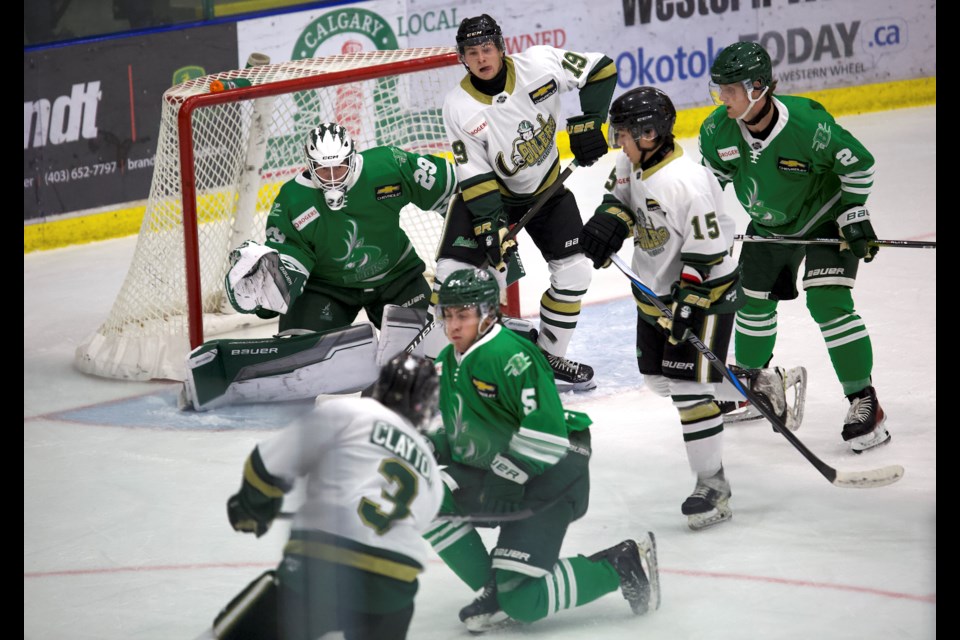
756	333
845	335
461	548
572	583
702	425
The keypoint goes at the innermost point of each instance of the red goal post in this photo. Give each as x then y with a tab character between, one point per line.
236	147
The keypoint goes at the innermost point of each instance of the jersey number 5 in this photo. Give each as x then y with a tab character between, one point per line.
407	487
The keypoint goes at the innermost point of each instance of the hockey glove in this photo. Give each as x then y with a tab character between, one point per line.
491	241
603	234
587	141
690	304
503	486
251	513
857	233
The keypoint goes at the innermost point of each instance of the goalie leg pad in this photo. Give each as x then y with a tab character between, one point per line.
400	326
253	613
291	367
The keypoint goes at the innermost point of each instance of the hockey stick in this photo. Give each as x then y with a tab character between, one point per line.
846	479
513	516
510	235
910	244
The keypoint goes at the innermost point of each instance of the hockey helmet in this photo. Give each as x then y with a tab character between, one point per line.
476	31
409	385
646	112
472	288
742	61
329	147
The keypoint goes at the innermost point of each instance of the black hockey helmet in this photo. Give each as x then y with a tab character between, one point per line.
646	112
475	31
409	385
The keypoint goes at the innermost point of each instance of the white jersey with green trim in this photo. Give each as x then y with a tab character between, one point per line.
370	475
513	134
678	213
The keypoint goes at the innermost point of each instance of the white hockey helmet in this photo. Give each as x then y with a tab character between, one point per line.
332	162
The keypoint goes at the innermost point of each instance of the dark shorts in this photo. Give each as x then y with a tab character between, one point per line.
555	230
558	497
322	307
656	356
771	268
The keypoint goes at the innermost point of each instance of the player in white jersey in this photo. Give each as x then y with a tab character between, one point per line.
673	208
372	488
502	120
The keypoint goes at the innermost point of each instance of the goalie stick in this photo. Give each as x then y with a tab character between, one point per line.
510	235
845	479
910	244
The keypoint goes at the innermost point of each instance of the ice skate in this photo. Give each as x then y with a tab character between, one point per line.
570	375
864	426
484	613
709	503
636	564
773	386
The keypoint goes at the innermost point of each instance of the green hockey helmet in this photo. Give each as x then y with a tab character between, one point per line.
476	31
471	288
742	61
646	112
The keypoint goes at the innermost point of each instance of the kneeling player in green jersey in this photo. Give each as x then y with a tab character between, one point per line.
516	460
799	175
334	246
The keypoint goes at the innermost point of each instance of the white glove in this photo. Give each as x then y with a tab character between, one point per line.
255	280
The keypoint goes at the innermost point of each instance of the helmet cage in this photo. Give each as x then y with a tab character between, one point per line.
328	147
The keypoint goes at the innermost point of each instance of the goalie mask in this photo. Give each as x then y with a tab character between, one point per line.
646	113
409	385
476	31
332	162
746	63
472	288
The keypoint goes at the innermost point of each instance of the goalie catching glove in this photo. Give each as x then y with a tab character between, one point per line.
857	233
603	234
259	280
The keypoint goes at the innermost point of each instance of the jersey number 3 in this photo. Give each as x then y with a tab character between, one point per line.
407	487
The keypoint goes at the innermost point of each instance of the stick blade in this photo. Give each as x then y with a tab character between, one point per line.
869	478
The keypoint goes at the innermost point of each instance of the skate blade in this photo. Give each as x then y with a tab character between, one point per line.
490	622
699	521
648	555
796	378
576	387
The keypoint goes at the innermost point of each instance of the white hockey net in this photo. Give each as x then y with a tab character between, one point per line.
246	142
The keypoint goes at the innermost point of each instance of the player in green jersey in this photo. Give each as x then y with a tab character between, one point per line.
798	174
509	446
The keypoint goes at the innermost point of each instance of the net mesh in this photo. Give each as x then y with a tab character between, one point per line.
244	150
